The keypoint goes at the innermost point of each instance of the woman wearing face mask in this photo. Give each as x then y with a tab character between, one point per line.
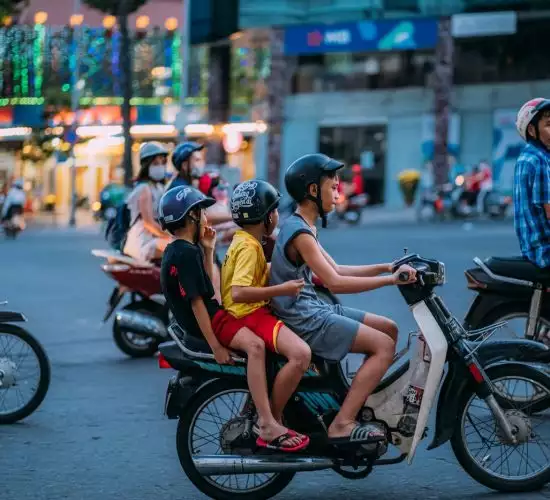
146	240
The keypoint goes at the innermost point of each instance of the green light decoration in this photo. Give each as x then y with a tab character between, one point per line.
38	58
176	65
66	87
3	66
23	101
16	58
24	50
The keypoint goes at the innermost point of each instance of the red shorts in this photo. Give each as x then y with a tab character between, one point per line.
226	326
264	325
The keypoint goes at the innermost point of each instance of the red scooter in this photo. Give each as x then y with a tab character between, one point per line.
140	326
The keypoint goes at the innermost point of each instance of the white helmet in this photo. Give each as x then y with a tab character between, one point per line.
150	149
528	112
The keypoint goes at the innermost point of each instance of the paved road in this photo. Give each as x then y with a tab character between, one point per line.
100	433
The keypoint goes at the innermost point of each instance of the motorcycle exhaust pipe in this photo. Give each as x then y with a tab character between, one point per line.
143	324
209	465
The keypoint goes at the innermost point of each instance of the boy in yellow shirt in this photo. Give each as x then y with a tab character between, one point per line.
246	296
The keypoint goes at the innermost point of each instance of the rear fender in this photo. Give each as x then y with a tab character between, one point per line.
181	392
484	305
522	350
12	317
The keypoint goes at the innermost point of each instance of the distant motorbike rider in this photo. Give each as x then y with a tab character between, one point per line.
188	160
532	182
146	240
14	203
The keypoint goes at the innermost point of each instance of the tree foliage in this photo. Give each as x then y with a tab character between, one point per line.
11	7
113	7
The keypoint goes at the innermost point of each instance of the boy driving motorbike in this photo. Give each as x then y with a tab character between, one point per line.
332	331
186	277
245	294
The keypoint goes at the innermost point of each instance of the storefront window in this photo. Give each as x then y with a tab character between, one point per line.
362	145
360	71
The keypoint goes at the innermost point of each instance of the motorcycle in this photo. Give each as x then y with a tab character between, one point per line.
510	289
14	224
141	325
20	354
215	436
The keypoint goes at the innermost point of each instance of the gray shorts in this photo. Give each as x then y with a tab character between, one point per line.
333	338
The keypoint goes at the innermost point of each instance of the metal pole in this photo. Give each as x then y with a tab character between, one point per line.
75	94
185	51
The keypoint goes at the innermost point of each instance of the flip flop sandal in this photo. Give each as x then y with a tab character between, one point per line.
361	434
256	431
277	444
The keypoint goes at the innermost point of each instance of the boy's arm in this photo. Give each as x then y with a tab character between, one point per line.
242	290
222	355
252	294
309	250
357	271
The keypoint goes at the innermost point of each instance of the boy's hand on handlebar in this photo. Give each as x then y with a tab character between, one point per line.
223	356
292	287
404	271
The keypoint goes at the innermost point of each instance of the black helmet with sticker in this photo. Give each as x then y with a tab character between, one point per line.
252	201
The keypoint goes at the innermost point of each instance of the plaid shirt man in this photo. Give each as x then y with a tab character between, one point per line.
531	193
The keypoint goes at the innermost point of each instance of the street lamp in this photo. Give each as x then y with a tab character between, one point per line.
40	17
109	22
76	20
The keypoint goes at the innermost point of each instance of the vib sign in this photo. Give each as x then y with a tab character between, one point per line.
362	36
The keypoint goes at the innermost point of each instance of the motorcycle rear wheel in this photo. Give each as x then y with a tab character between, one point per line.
215	486
125	343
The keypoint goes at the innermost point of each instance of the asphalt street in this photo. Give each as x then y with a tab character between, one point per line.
100	433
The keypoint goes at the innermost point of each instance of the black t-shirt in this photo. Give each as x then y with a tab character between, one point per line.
183	279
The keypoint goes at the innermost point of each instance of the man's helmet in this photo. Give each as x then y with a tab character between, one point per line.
176	204
308	170
150	150
19	183
253	201
528	113
183	152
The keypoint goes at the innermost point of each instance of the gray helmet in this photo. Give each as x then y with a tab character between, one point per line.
151	149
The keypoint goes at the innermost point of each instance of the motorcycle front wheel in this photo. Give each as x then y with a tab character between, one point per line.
24	374
481	447
207	427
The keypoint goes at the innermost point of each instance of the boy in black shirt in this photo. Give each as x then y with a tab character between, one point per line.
186	274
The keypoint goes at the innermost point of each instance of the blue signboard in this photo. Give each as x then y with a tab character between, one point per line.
361	36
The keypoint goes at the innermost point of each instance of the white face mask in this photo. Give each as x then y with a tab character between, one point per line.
157	172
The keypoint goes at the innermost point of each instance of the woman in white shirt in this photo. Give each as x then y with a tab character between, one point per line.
146	240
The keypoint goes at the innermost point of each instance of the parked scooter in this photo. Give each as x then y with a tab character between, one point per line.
220	456
24	369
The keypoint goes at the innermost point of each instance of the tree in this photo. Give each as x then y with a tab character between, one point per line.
122	9
442	86
11	7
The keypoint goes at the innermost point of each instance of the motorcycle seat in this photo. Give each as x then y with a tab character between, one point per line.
199	345
518	268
